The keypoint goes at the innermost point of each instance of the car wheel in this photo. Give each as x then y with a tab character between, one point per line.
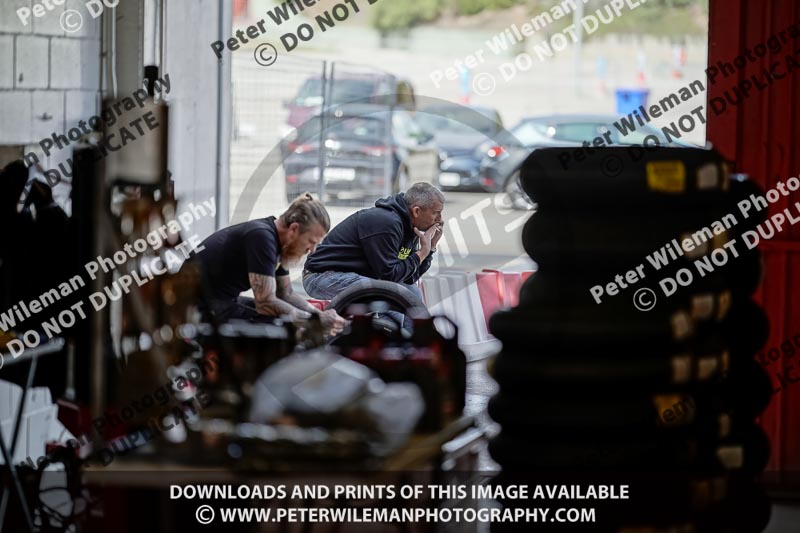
517	198
400	182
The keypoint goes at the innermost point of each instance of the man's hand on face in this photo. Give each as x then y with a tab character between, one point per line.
424	242
332	322
439	227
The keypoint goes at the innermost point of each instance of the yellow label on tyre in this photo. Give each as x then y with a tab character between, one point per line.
666	176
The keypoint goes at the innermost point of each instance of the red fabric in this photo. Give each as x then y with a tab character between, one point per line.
761	135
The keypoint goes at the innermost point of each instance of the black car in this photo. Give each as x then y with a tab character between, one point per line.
500	166
459	131
365	151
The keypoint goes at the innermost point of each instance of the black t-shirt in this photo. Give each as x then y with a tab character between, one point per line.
232	253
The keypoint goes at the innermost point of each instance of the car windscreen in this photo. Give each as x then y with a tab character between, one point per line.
532	132
368	129
342	91
455	120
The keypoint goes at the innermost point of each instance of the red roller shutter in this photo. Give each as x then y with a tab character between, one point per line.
762	135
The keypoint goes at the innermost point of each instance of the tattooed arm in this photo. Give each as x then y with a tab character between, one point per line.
286	294
330	318
267	301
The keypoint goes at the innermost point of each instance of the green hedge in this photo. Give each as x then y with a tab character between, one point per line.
471	7
653	17
391	15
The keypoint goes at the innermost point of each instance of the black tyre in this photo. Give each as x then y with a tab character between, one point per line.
746	329
592	329
749	390
613	409
665	179
395	295
557	294
742	189
656	453
588	236
744	273
598	371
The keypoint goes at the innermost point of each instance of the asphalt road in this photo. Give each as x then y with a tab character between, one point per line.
482	231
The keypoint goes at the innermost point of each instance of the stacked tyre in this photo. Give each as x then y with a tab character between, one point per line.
648	383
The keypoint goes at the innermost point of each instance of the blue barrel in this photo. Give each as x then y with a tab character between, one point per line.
630	99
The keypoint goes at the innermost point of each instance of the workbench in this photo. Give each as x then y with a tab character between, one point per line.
447	456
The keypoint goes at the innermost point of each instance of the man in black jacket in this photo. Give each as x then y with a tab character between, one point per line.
393	241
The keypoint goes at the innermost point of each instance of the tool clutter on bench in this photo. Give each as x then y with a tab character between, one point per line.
661	392
272	392
429	358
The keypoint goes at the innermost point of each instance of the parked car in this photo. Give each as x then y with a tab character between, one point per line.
500	166
458	131
368	151
378	89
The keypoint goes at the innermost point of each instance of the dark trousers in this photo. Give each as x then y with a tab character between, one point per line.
243	308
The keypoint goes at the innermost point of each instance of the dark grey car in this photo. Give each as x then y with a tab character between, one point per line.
460	132
364	151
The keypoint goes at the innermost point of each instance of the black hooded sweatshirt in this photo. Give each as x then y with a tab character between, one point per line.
378	243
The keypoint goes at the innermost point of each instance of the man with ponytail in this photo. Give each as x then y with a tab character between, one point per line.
258	255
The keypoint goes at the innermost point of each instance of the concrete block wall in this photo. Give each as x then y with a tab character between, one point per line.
49	77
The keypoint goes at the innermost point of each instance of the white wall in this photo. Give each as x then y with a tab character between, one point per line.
193	68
